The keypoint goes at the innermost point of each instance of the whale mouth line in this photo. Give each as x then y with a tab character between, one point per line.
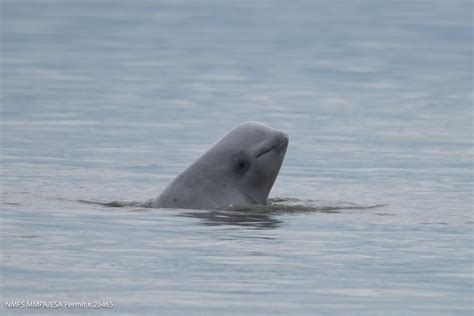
271	148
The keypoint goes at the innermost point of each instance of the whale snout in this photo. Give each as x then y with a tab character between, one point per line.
283	138
278	143
280	139
281	142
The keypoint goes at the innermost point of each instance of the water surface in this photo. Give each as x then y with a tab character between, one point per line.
108	101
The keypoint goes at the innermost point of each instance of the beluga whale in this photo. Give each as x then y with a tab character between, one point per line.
239	169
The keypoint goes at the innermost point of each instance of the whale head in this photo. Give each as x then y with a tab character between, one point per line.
239	169
253	154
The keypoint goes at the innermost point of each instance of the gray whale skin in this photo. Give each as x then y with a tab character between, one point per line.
239	169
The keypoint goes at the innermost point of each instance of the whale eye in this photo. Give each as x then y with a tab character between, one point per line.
241	164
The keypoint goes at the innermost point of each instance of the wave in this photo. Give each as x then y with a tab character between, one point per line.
275	205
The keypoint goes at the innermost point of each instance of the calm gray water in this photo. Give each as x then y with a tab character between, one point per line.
109	100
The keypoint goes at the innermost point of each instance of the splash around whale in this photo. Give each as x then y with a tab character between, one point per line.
239	169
